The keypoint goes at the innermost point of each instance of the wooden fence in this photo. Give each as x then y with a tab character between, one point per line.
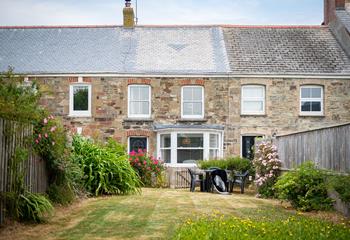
12	136
328	148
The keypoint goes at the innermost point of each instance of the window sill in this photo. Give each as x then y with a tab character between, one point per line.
253	115
79	116
192	120
138	120
311	115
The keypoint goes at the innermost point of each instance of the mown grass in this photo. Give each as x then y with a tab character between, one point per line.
154	214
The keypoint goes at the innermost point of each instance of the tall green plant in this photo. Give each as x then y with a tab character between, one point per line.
105	168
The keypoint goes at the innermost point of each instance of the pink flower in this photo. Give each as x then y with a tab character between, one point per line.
149	168
132	153
39	136
140	150
136	159
45	135
144	162
45	121
53	129
53	143
130	158
139	164
36	141
51	117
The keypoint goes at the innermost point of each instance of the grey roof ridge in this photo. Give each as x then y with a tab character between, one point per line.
163	26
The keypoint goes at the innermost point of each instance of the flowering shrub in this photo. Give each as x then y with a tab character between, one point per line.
267	168
50	141
146	166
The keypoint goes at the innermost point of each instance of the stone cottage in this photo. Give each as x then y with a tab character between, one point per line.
189	92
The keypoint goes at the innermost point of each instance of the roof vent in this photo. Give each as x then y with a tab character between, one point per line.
128	14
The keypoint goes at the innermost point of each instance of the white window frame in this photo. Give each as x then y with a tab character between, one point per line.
72	112
128	147
311	113
149	101
164	148
214	148
206	144
243	99
201	116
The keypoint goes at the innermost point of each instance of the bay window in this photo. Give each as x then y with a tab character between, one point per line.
187	147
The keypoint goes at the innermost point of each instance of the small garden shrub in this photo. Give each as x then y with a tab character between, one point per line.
305	188
240	229
105	168
341	184
148	167
267	168
34	207
235	163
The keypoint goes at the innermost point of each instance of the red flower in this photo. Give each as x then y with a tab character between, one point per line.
144	162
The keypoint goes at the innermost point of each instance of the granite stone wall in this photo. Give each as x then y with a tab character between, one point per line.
222	106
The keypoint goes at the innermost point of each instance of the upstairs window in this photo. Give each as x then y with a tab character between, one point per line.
192	99
311	100
253	100
80	100
139	101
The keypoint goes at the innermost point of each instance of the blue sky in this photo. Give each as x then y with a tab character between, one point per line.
86	12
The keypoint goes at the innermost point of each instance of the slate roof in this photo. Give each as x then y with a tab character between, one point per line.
285	50
161	50
173	50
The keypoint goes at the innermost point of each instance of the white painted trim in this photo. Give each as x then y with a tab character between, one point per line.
248	86
140	116
228	75
128	147
182	101
72	112
306	113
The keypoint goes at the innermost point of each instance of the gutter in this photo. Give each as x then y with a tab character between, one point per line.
223	75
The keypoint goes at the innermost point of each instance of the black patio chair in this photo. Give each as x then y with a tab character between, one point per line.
239	179
196	177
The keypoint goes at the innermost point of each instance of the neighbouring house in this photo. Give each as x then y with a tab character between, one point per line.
189	92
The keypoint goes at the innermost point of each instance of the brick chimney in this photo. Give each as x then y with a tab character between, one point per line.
330	6
128	14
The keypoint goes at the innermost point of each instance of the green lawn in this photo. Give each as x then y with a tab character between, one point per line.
155	214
